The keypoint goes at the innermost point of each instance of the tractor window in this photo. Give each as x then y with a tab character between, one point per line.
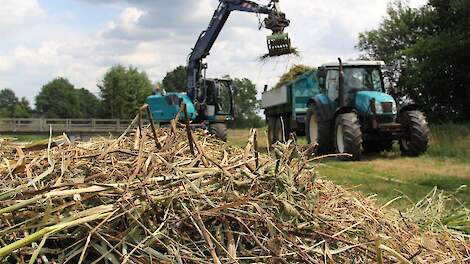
224	97
332	84
368	78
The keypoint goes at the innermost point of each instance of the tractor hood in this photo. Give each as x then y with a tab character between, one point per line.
384	103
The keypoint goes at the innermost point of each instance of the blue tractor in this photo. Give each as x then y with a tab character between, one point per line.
344	108
353	113
209	102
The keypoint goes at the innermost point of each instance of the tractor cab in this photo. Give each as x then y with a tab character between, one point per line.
215	100
359	85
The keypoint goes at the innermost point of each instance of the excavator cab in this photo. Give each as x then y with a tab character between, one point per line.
279	44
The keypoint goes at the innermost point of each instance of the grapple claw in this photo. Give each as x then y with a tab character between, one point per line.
279	44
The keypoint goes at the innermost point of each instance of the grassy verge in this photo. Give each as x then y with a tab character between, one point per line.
446	165
450	141
25	138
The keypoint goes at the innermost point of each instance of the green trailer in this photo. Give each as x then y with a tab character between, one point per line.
286	107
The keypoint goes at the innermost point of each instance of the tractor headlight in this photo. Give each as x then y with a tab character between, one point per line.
378	108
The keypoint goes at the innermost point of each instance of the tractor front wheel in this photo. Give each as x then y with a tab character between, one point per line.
348	136
415	138
219	130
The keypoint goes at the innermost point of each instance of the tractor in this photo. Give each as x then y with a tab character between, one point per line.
345	109
353	113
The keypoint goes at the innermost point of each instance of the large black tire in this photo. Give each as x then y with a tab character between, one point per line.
318	132
415	134
219	130
348	136
377	146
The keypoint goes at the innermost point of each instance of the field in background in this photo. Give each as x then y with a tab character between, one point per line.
446	165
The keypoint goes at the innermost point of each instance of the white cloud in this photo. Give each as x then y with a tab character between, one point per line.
156	36
19	14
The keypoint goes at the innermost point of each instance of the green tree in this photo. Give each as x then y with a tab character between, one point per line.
428	49
123	91
89	105
58	99
23	109
175	80
12	107
246	105
8	102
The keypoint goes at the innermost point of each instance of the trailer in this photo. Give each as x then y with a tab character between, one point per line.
286	107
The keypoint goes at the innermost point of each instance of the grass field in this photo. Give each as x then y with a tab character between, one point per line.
446	165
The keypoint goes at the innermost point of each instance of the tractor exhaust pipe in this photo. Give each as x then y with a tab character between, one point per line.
341	84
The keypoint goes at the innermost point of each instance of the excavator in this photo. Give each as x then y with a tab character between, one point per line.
209	102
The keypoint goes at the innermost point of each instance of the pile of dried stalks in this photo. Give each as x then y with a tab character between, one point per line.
131	200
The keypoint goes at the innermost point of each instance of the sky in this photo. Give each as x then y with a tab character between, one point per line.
81	39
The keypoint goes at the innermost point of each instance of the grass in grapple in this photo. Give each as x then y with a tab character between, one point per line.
126	201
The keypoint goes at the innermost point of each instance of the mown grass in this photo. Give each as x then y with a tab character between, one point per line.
388	175
24	138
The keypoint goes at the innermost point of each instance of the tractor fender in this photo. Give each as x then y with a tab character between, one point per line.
345	110
408	107
323	107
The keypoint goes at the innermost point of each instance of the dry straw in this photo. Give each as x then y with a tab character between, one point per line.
131	200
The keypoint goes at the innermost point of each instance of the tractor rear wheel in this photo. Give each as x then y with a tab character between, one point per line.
415	133
219	130
348	136
318	132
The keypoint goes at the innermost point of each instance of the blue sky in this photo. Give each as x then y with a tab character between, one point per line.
82	39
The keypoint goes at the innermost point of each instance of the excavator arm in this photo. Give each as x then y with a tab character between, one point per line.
276	21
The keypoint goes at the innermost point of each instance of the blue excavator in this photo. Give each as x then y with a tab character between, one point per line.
209	102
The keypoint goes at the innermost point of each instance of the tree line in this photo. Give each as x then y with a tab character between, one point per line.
429	51
121	92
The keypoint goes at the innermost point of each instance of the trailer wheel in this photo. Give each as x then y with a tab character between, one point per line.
271	125
348	136
415	138
318	132
219	130
281	130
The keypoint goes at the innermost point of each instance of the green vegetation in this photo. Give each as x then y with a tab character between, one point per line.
25	138
246	104
123	91
450	141
428	50
175	80
12	106
294	72
446	166
60	99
